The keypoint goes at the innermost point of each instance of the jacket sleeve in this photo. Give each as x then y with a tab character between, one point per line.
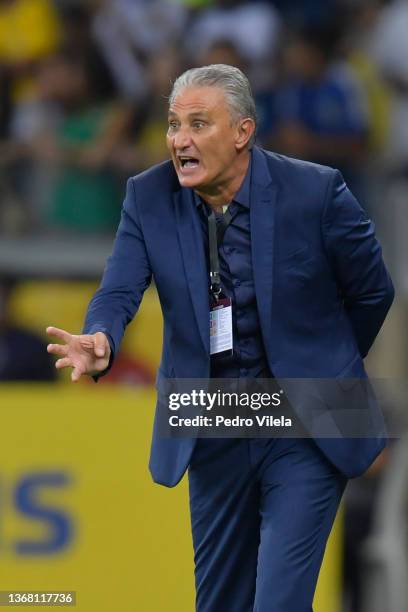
355	254
126	276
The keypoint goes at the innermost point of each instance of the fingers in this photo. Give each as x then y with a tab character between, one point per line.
97	343
61	334
86	342
79	352
63	363
76	374
101	344
58	349
66	362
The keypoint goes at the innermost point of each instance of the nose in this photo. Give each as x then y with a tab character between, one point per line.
182	138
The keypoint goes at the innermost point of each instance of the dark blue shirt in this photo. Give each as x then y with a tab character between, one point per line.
237	282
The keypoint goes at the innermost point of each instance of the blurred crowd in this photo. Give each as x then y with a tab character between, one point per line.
84	86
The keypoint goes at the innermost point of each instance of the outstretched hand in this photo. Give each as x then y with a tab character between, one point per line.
86	354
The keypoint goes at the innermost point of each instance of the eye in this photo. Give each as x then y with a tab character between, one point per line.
198	124
172	125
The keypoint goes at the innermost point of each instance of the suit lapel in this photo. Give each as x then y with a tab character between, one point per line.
192	249
262	216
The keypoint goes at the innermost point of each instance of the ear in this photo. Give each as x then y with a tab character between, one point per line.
245	129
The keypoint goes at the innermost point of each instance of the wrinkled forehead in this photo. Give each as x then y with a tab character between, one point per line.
208	99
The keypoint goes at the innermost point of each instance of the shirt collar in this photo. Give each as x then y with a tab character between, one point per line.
243	194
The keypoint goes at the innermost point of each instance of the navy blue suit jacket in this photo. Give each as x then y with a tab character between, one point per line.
321	285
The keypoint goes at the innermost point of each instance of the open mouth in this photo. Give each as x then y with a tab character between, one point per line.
188	162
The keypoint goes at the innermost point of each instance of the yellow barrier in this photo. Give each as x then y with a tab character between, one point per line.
79	511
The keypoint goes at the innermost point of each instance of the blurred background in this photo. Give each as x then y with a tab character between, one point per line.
83	88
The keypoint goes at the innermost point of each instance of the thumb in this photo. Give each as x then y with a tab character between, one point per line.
100	342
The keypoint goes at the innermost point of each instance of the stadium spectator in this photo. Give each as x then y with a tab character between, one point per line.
361	22
145	144
313	13
85	194
388	44
252	27
29	31
129	32
320	105
222	51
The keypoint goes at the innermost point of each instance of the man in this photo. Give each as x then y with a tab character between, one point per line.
309	294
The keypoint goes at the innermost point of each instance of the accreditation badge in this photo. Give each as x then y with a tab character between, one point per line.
221	326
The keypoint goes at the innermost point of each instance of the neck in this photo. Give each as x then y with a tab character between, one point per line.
223	193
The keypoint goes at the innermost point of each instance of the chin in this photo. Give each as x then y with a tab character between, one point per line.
191	181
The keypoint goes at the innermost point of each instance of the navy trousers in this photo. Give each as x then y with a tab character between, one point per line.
261	513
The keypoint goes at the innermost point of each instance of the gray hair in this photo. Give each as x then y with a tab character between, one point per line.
230	79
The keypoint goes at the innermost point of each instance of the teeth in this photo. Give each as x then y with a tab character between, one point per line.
188	161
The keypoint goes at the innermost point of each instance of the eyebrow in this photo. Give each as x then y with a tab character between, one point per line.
194	114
